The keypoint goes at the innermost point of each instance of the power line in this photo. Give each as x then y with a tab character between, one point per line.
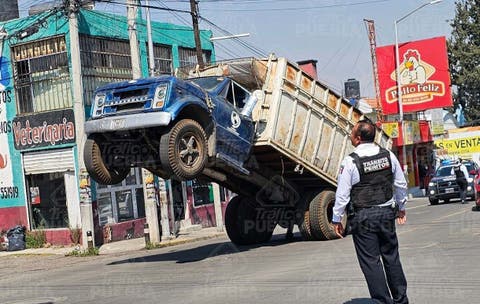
145	6
301	8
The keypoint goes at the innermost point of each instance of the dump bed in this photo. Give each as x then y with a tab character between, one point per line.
302	127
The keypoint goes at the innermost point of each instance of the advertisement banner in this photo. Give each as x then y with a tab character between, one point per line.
412	132
424	76
391	129
44	129
461	147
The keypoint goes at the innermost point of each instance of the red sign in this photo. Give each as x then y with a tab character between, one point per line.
424	76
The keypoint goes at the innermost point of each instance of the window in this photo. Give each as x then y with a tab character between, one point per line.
41	75
202	193
48	204
188	57
104	61
162	55
236	95
121	202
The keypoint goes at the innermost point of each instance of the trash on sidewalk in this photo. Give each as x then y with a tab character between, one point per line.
16	238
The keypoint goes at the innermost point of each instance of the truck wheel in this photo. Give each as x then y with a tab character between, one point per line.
242	225
433	201
304	227
183	150
97	168
321	210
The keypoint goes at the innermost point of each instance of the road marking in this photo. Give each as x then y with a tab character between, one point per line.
449	215
418	206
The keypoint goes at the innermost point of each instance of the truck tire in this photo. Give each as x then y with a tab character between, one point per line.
321	209
97	168
184	150
433	201
242	224
304	227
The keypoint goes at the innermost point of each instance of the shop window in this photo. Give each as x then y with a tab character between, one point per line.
202	193
47	204
104	60
123	201
188	56
162	56
41	75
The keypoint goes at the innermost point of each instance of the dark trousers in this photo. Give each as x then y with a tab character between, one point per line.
375	239
462	185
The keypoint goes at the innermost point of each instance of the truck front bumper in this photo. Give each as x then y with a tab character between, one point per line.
128	122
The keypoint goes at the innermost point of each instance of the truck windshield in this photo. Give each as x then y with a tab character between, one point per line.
207	83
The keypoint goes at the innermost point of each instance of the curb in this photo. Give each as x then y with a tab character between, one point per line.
184	241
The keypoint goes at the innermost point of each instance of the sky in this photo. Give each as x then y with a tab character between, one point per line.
330	31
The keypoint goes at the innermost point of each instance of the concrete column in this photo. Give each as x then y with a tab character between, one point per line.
218	206
162	194
150	199
86	212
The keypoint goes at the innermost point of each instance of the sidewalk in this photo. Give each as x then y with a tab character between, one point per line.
126	245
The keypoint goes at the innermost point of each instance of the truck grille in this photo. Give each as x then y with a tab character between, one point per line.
129	100
447	187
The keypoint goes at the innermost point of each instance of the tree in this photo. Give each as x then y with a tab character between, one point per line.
464	57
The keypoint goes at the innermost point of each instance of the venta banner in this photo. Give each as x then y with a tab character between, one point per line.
424	76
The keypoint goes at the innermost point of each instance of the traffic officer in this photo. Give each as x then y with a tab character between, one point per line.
461	176
372	180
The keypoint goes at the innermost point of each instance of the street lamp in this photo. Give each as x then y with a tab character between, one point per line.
399	89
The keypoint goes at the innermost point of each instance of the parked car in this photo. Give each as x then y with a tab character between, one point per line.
444	187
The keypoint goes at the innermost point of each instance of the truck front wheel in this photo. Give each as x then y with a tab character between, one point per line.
98	169
183	150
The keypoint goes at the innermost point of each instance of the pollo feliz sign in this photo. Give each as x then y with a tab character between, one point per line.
424	76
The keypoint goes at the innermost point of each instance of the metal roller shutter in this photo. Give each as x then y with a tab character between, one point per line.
48	161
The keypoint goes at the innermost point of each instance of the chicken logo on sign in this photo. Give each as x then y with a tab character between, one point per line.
414	70
414	75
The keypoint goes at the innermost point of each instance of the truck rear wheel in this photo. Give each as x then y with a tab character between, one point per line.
100	171
304	227
242	224
183	150
321	210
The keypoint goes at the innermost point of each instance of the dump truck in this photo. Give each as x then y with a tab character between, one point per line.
262	128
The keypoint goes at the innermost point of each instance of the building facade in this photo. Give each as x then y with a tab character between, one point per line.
41	186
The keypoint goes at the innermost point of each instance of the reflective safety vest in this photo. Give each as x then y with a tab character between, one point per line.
458	172
376	180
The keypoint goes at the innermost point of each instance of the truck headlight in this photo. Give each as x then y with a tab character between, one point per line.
470	180
160	96
430	184
98	103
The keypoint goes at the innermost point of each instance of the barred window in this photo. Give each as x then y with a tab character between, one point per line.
188	57
41	75
162	55
104	60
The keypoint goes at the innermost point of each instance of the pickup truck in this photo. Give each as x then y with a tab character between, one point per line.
443	185
261	127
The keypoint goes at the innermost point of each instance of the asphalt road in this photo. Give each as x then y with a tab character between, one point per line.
438	246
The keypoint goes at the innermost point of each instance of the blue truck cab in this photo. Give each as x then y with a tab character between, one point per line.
170	126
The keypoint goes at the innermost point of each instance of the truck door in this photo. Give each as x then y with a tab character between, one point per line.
234	131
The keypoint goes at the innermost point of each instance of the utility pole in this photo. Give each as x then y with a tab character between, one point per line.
150	197
132	8
196	32
373	45
85	198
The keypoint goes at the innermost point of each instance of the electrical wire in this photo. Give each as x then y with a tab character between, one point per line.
301	8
